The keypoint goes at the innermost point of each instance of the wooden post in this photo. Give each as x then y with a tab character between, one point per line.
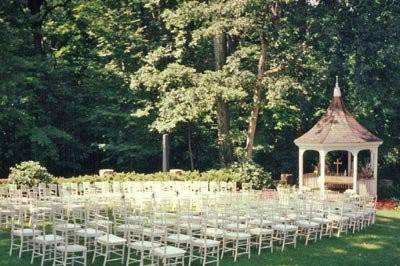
165	153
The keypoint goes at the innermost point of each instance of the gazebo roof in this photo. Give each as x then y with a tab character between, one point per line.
337	126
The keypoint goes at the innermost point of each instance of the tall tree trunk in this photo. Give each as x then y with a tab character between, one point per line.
190	150
256	99
34	7
223	118
260	77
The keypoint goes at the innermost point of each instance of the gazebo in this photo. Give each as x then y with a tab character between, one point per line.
338	130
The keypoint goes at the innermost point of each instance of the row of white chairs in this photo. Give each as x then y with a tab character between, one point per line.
125	187
177	229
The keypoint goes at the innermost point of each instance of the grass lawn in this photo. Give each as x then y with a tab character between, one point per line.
377	245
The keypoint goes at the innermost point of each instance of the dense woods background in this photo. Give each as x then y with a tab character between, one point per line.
87	84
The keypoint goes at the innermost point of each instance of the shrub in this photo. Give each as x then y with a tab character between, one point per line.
239	172
220	175
389	192
29	173
249	171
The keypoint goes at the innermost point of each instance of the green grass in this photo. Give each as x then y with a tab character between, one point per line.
377	245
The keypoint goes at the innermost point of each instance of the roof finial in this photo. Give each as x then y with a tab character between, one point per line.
336	91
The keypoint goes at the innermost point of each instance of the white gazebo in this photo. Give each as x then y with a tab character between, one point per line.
338	130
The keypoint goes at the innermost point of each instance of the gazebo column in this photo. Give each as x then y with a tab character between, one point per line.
348	163
355	170
301	165
322	170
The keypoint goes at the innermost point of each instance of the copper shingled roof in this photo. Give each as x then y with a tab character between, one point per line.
337	126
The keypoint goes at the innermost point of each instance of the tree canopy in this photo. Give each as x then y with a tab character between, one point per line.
87	84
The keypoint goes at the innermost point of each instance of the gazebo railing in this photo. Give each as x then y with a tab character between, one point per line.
310	180
366	186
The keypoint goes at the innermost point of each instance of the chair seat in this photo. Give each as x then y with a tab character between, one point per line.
261	231
338	218
73	207
168	252
216	222
235	227
143	245
41	209
190	217
111	239
236	235
307	224
6	212
66	227
321	220
89	232
292	216
128	227
214	232
352	215
155	232
204	242
284	228
49	239
71	248
279	219
26	232
100	223
190	226
258	222
136	218
167	222
181	238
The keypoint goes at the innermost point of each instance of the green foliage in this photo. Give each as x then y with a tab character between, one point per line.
222	175
389	192
104	87
249	171
30	174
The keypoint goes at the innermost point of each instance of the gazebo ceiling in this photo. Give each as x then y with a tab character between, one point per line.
337	126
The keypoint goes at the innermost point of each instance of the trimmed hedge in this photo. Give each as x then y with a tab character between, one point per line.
212	175
221	175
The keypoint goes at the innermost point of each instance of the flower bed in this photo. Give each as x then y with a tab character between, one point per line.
387	204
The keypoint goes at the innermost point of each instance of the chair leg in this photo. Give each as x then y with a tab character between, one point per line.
236	249
218	255
205	256
12	243
123	254
43	254
105	257
94	253
129	256
283	242
191	255
20	246
248	248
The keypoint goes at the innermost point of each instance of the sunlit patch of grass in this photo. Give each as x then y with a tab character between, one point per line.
338	251
368	246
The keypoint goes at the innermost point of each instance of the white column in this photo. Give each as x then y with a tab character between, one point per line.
355	170
322	170
374	163
348	163
301	165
